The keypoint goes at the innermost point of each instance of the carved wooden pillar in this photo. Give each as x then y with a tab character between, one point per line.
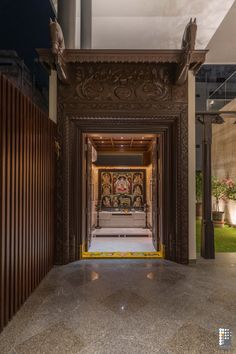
207	236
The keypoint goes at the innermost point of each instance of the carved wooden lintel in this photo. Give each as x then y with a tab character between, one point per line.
77	56
124	56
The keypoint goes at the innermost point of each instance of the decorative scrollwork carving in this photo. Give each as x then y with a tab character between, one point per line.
119	82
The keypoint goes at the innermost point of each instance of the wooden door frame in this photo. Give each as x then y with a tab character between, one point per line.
174	221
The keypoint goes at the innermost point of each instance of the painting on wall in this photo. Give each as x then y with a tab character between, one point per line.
122	189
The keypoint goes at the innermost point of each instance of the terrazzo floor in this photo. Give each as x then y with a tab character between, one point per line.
128	306
122	244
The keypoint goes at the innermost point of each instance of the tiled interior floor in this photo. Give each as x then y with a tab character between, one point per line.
127	231
121	244
128	306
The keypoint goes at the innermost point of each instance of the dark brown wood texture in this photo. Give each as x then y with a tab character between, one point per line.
26	198
122	98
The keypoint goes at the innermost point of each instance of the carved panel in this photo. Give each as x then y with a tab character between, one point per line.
115	96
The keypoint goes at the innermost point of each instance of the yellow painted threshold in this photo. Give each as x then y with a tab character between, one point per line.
122	255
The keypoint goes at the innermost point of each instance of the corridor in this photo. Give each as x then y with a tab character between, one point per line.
127	306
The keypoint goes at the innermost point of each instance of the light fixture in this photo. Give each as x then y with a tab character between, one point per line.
143	137
122	146
122	137
100	137
102	142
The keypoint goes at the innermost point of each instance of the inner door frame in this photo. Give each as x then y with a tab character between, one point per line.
157	239
173	216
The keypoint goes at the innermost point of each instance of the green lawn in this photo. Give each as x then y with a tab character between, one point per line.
225	238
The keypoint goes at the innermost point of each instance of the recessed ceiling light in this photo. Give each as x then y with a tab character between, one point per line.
122	137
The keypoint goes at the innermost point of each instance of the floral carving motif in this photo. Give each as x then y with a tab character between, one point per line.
116	82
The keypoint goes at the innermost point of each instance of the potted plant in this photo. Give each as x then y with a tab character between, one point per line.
198	194
219	191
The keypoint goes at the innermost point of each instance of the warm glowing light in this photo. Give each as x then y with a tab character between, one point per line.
122	146
150	276
100	137
142	137
94	276
122	137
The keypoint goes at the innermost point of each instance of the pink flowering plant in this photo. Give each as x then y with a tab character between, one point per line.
219	190
231	189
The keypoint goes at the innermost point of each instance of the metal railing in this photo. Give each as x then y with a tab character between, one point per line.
223	94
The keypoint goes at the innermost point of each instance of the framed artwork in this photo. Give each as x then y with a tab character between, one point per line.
122	188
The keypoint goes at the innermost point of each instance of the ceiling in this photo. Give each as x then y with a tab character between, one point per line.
159	24
122	143
132	24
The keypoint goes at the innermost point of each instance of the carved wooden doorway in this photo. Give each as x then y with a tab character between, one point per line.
172	224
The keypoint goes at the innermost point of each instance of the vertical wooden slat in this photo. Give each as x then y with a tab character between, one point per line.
20	205
29	198
37	198
8	210
40	197
33	196
24	127
12	204
43	200
17	230
3	199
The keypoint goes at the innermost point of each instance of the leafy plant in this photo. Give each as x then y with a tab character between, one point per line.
199	186
231	189
219	190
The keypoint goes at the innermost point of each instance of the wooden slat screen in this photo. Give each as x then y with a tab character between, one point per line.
26	198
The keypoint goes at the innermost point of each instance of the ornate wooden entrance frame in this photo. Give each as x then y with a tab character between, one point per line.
123	91
174	175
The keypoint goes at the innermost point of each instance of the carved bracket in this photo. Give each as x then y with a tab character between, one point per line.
57	50
208	117
188	46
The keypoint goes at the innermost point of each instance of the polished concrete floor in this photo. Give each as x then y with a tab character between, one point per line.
122	244
128	306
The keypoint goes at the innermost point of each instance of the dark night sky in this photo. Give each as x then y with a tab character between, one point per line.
24	27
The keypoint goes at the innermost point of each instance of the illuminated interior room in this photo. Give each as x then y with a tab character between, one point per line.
120	172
